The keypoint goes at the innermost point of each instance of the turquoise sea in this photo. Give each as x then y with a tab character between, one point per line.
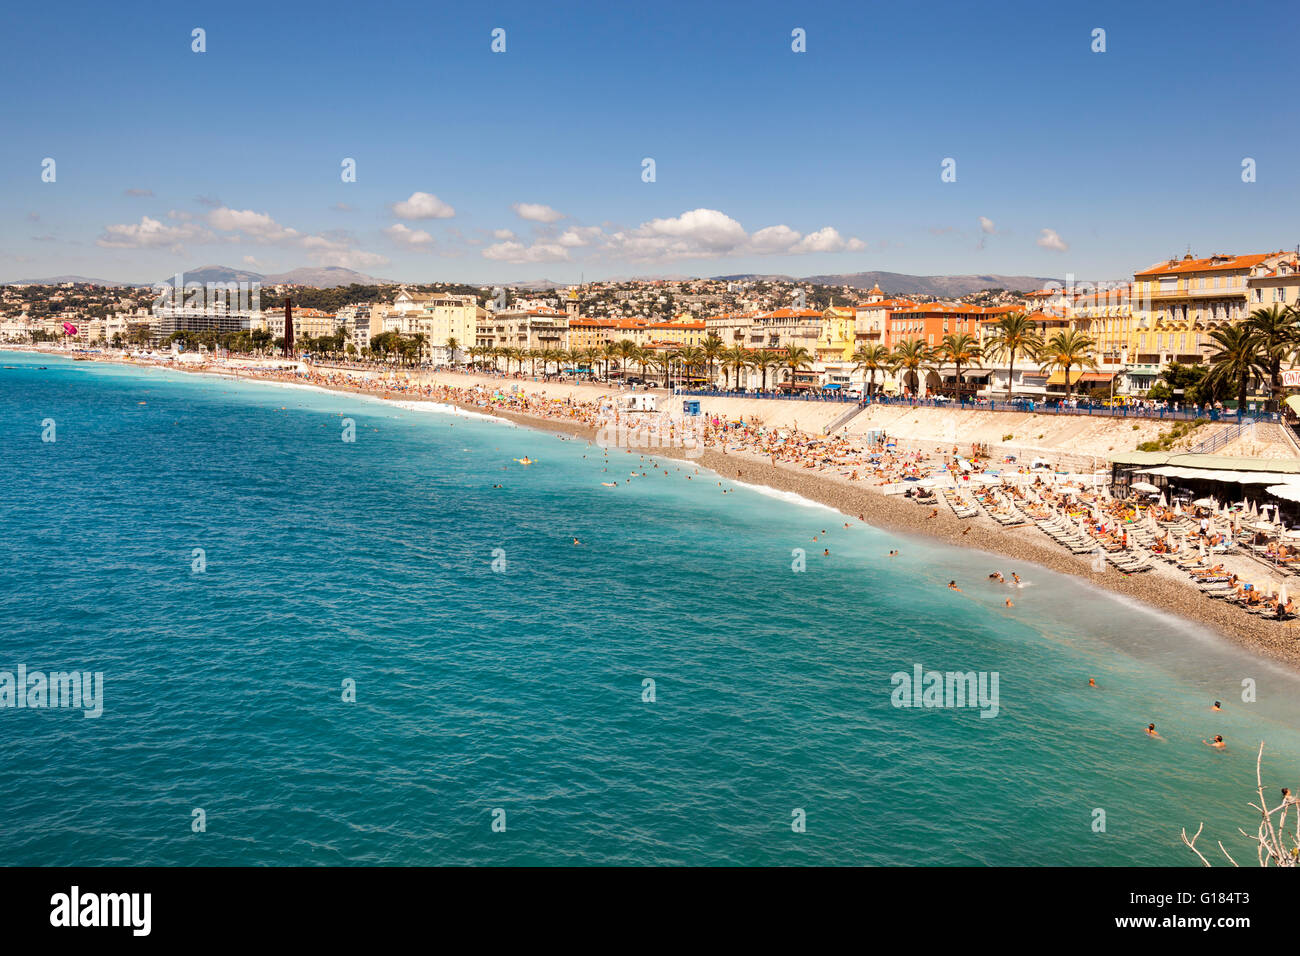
521	689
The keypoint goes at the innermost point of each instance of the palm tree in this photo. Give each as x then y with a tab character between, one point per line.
452	345
763	360
871	359
795	357
961	349
914	357
627	351
734	358
694	357
1013	335
643	358
1276	338
1065	350
713	348
1237	359
611	353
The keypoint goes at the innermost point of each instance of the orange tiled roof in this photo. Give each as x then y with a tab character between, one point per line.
1212	264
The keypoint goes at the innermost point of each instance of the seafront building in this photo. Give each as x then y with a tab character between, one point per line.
1178	302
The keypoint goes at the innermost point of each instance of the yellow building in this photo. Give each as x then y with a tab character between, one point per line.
1177	303
838	335
676	334
1106	317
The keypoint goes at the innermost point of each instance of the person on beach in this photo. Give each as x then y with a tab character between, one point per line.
1151	732
1217	743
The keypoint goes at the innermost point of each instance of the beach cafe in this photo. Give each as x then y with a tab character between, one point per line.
1187	479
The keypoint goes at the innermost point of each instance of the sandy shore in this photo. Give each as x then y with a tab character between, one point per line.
1164	588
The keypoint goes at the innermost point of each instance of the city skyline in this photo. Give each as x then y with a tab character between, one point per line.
481	166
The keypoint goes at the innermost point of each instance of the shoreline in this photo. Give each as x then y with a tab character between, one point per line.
1269	639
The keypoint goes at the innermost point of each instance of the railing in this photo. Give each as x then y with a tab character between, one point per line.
1019	405
1225	437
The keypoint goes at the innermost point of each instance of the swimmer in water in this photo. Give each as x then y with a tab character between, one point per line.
952	586
826	552
1217	706
893	554
997	576
1008	603
576	541
1151	732
1015	577
1092	682
1217	743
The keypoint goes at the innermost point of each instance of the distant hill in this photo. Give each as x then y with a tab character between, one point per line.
324	277
83	280
897	283
319	277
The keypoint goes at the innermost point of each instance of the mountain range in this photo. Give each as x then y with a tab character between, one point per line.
898	283
321	277
328	277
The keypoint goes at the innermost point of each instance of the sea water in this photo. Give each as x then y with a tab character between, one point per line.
321	651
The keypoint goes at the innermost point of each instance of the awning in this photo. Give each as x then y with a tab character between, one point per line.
1058	378
1208	474
1102	377
1293	403
1289	492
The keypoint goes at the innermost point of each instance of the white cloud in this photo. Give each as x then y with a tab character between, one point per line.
151	233
536	212
577	236
774	239
423	206
986	226
405	236
826	239
1048	239
518	252
695	234
256	225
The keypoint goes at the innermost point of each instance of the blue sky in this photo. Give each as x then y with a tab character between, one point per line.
766	160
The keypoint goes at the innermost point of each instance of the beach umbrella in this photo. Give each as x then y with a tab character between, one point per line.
1163	503
1145	487
1204	503
1281	594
